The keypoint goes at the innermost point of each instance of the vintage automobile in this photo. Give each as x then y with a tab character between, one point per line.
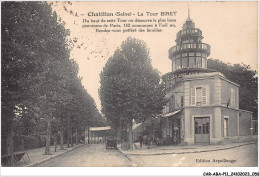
111	142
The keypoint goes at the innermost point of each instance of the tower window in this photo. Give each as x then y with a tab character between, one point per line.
173	65
178	64
185	62
198	54
203	62
184	54
198	62
191	54
192	62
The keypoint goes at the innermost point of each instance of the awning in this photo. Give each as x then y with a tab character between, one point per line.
171	113
99	128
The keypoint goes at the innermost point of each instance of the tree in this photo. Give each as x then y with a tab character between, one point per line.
32	43
246	78
130	88
39	80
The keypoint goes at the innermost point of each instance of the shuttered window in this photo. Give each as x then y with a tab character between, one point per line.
193	96
204	96
198	96
232	98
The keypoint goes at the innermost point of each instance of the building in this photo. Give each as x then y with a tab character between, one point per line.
203	105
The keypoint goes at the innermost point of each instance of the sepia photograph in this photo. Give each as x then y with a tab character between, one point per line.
129	84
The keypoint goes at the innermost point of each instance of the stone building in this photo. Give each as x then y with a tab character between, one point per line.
203	104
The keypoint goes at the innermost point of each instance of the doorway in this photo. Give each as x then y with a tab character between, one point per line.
202	130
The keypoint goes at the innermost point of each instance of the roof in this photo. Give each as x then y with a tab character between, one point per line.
136	125
171	113
187	70
99	128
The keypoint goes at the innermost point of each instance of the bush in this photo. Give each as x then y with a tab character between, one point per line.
22	142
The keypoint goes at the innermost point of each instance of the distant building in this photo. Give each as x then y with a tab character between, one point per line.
203	105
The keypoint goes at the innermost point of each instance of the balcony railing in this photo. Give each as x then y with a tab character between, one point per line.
177	48
189	31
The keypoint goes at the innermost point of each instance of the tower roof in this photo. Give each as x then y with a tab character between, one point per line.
188	23
188	13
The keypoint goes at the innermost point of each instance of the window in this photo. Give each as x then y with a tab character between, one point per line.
167	108
198	62
232	98
172	103
184	54
198	96
203	62
193	94
204	128
197	128
185	62
178	64
198	54
191	62
191	54
207	127
173	65
225	127
181	101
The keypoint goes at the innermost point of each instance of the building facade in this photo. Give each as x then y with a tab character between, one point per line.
203	105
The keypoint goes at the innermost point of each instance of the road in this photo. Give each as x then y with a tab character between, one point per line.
236	157
93	155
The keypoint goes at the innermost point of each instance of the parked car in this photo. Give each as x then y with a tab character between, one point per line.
111	142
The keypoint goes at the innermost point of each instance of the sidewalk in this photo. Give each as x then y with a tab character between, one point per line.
163	150
37	155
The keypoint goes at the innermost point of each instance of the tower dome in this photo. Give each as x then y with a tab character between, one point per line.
189	51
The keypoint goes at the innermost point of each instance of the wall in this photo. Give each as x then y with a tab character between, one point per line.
226	93
178	93
245	123
232	116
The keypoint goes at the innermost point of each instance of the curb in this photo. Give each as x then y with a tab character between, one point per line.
210	150
128	158
49	158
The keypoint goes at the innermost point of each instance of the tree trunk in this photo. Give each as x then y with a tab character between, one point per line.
61	136
68	135
84	134
10	141
98	137
88	135
48	136
130	140
77	140
71	136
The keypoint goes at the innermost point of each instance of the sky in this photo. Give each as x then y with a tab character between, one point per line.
230	28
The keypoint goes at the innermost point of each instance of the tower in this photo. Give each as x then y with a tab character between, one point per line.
189	53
